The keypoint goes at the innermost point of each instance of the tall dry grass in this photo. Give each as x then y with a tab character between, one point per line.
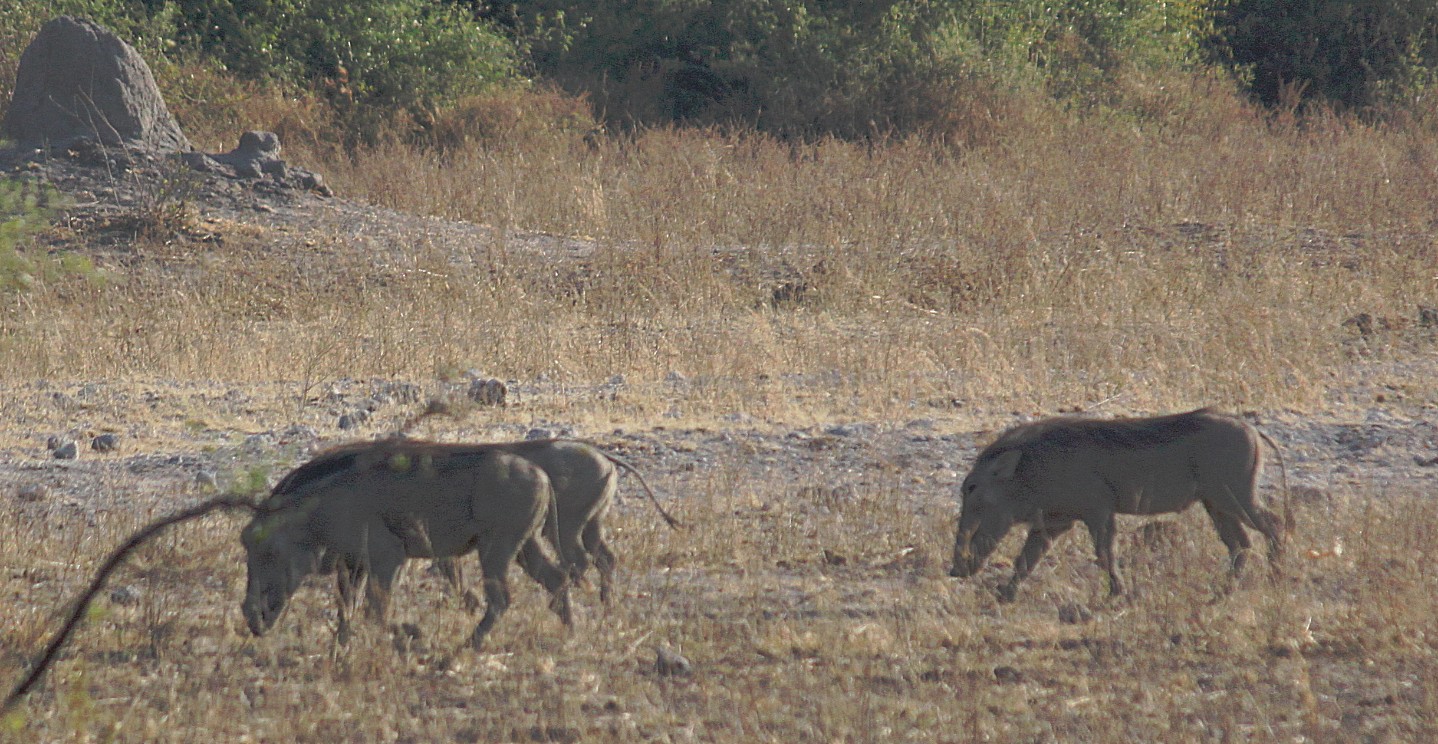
1209	256
806	617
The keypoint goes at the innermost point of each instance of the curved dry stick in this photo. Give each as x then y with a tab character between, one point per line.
238	503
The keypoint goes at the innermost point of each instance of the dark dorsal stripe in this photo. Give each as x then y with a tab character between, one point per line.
314	470
1125	433
1112	434
444	458
458	459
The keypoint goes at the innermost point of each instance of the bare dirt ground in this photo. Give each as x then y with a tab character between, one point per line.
778	485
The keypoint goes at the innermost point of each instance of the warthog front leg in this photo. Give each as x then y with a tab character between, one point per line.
1041	537
496	601
377	578
453	574
603	558
349	578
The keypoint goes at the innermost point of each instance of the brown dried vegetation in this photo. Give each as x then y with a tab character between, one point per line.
1136	267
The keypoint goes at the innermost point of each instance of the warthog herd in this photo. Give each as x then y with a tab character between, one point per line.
361	510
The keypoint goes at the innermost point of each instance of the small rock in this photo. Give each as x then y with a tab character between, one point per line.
488	392
105	443
352	420
1007	675
616	380
1308	494
207	479
790	294
126	595
1427	316
670	663
406	637
1073	613
538	433
848	430
1425	462
53	442
298	433
1362	322
31	492
675	377
66	451
555	734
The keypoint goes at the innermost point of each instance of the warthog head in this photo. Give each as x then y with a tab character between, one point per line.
989	510
278	557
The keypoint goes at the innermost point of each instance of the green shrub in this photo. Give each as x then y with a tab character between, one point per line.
841	66
373	60
25	209
1348	54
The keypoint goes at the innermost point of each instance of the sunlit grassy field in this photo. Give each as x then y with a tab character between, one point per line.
1214	257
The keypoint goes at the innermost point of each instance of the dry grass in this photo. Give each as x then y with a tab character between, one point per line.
1074	261
1208	259
787	643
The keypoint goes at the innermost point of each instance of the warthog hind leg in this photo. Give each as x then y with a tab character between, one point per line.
1230	531
1271	526
603	558
1102	531
495	555
540	567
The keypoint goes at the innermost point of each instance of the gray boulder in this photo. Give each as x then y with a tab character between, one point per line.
77	80
257	157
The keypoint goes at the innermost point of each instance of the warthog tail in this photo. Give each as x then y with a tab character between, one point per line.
1288	523
671	521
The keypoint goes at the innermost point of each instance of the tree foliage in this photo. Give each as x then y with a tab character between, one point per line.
1349	54
838	66
372	59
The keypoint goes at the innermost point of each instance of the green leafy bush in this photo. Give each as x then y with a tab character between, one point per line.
25	209
841	66
1349	54
373	60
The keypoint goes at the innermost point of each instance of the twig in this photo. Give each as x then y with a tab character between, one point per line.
227	502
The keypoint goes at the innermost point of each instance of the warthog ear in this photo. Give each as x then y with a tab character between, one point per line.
1006	464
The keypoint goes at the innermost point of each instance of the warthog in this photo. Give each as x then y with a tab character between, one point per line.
361	510
1050	474
585	480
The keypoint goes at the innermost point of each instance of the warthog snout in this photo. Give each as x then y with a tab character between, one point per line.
262	609
970	550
